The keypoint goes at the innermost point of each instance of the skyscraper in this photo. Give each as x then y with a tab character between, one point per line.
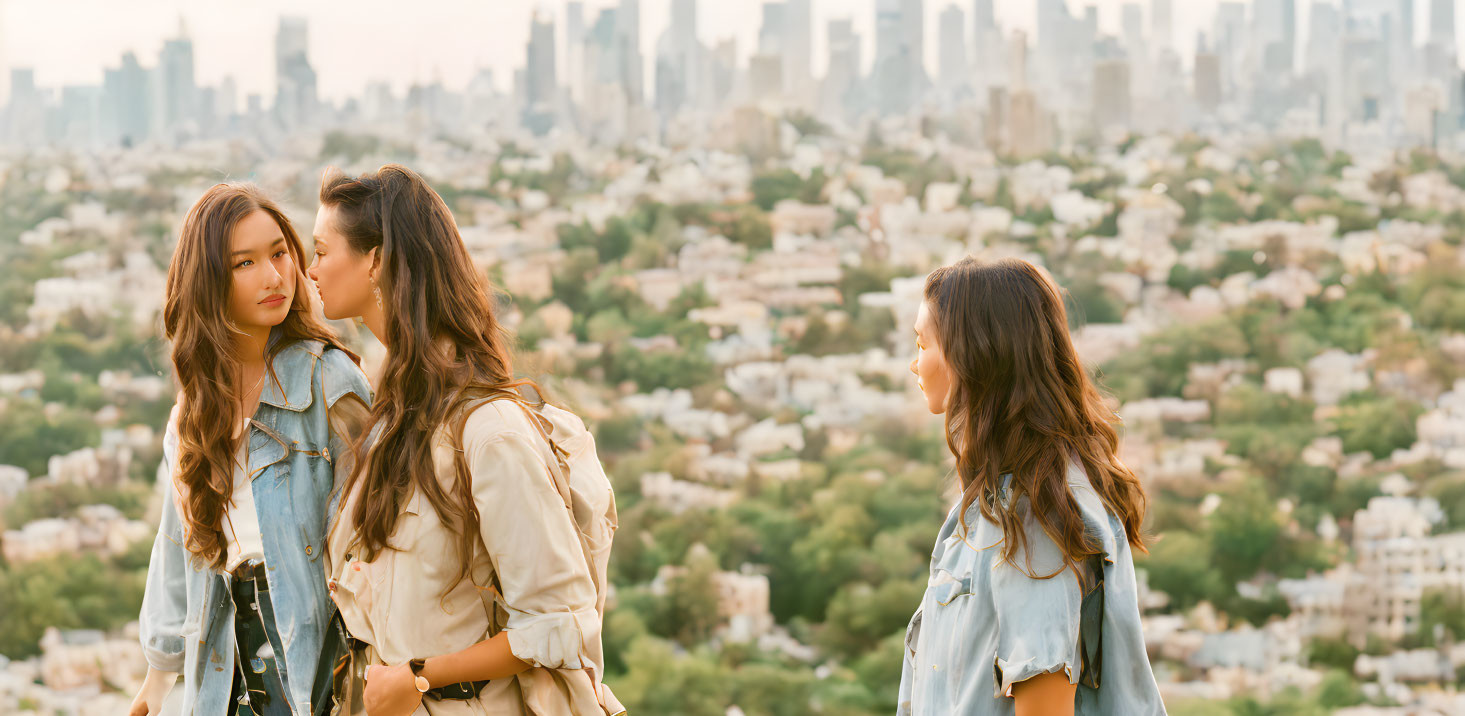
1442	23
844	67
1132	23
681	61
628	49
126	103
295	91
177	92
899	76
1276	34
954	67
1162	24
984	19
541	83
1111	94
798	51
1207	81
575	47
1324	32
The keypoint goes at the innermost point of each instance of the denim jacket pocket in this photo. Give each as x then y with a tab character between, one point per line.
945	587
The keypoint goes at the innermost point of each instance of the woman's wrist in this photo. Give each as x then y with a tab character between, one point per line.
427	672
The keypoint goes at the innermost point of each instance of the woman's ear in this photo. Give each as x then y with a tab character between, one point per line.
376	260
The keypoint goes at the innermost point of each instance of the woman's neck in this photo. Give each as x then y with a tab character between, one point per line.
376	322
250	344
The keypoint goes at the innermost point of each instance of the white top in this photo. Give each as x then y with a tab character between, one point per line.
241	522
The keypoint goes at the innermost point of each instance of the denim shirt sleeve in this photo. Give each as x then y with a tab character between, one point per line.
1037	619
907	666
165	599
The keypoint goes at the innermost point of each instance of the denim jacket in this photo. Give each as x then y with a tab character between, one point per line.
187	621
985	625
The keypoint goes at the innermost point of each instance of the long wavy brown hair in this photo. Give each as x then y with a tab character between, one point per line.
205	355
1022	403
445	348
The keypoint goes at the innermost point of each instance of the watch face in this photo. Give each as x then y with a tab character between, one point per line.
421	683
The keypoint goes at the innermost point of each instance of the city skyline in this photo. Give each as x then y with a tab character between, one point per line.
346	47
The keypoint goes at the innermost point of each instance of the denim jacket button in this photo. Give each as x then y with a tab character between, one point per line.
307	549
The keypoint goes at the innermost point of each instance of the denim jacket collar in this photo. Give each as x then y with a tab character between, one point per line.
293	392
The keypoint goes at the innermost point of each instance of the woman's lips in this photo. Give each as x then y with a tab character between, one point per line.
272	302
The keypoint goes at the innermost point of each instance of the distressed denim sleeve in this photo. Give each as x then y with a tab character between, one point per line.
165	600
1037	619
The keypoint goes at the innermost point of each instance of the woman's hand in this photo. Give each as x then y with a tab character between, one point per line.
390	691
155	688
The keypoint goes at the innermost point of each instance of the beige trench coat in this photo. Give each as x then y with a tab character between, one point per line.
396	603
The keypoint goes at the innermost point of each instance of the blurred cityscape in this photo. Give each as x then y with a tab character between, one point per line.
1261	245
1356	74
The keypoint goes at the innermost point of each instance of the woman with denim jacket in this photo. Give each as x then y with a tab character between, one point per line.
1031	605
269	408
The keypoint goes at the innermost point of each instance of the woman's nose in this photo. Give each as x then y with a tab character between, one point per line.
913	369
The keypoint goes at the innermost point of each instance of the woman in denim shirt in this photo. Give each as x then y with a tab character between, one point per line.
1031	606
270	404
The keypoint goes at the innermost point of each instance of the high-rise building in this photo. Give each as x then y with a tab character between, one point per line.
954	67
126	102
177	92
913	22
1112	98
1162	24
628	38
1325	31
575	48
1208	81
984	20
798	53
541	83
295	90
986	37
1132	28
1275	31
844	68
898	76
26	110
681	61
771	36
1442	23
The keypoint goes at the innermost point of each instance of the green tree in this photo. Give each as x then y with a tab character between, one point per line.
1376	423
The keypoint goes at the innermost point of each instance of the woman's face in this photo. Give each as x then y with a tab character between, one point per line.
263	271
342	275
933	373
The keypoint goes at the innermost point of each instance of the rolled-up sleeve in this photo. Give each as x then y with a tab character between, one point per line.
165	599
1037	619
535	547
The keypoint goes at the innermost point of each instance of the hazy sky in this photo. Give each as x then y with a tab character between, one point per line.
351	41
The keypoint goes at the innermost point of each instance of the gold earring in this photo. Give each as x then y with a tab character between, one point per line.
376	290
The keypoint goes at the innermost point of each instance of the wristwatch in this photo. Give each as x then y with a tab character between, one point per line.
418	680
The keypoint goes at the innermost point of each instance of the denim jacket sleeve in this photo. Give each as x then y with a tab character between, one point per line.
1037	618
165	600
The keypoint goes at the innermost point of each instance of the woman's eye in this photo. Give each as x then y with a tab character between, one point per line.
278	254
243	263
